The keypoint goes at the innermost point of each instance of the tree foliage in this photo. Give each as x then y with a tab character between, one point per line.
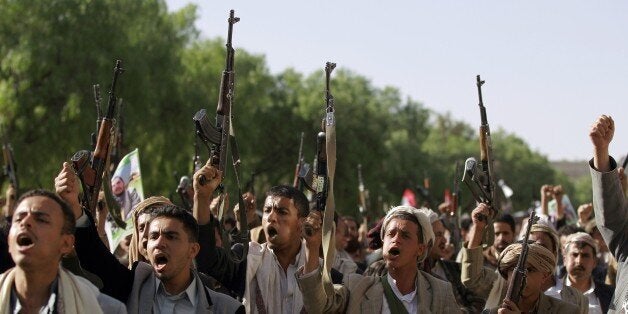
53	51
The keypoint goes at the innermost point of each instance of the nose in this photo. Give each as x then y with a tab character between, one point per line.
27	220
271	216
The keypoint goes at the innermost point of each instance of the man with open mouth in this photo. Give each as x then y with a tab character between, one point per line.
169	284
41	233
407	234
266	279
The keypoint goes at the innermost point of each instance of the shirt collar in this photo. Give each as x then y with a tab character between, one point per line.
49	307
591	288
190	291
403	297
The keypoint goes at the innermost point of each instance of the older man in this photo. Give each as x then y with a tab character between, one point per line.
41	233
610	206
407	234
579	256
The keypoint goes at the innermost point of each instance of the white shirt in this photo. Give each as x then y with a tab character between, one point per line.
184	302
410	301
288	286
594	303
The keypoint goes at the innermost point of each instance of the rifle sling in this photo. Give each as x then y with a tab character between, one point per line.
394	304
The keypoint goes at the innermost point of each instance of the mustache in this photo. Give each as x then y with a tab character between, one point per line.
580	268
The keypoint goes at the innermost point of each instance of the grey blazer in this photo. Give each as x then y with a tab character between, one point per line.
611	218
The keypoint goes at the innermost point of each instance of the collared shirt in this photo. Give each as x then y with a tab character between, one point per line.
48	308
184	302
594	303
288	287
410	300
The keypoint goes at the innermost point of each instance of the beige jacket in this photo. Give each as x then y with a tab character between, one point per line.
548	305
488	284
365	294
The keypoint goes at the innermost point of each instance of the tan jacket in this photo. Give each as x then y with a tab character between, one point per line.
548	305
488	284
365	294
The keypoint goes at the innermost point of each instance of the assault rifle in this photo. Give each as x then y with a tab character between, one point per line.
298	181
363	194
479	179
217	139
10	167
90	166
218	136
118	138
517	281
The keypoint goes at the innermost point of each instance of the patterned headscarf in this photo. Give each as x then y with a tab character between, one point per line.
424	223
581	237
539	258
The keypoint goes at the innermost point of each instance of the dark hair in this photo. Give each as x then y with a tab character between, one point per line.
69	223
569	229
350	218
172	211
507	219
297	197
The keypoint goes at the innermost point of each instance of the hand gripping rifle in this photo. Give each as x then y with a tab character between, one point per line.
90	166
517	281
480	181
222	135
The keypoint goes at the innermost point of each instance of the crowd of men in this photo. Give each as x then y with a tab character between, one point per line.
55	257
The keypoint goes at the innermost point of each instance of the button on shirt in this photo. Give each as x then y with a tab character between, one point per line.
410	300
184	302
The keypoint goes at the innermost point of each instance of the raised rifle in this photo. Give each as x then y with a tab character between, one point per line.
217	139
478	178
118	138
90	166
363	194
218	136
10	167
517	280
297	182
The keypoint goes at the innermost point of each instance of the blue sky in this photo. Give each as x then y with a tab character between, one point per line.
551	67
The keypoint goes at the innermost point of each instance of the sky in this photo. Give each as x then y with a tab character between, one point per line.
551	67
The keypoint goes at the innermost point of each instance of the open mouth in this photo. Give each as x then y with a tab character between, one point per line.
394	251
160	260
272	232
23	240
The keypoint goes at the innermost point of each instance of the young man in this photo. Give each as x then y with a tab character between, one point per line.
407	234
41	233
266	279
610	206
580	258
487	283
504	226
540	265
169	283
